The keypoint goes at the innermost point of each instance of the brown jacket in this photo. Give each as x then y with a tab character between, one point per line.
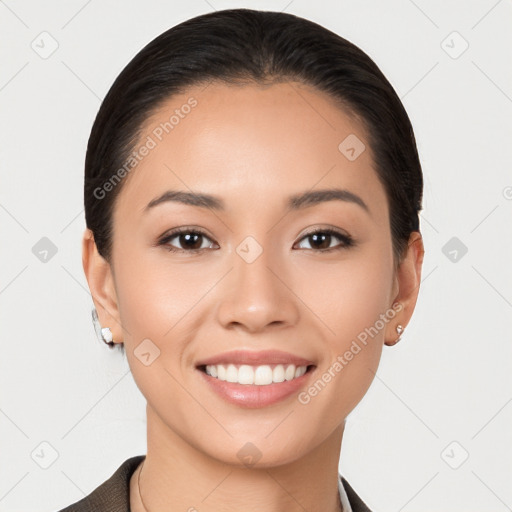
113	495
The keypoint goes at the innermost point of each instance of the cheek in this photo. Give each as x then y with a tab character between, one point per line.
154	294
349	299
349	295
350	307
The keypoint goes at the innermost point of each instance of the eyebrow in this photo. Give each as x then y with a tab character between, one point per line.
295	202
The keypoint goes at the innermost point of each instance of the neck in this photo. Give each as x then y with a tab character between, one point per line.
178	476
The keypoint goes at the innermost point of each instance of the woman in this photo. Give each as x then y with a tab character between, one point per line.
252	191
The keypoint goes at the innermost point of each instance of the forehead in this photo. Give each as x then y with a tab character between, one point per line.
252	145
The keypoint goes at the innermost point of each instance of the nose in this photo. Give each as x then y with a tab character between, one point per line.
257	295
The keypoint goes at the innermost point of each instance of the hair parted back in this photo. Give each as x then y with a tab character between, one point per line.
261	47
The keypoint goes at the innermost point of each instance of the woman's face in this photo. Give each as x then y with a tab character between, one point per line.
259	279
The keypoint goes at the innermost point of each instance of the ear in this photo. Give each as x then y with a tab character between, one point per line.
407	285
101	284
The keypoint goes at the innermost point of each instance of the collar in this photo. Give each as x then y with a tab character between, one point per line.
113	495
345	504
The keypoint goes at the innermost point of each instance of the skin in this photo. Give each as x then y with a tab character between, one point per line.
253	147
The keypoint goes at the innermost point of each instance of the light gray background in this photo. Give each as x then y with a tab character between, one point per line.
442	393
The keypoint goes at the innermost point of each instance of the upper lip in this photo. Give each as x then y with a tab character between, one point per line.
252	357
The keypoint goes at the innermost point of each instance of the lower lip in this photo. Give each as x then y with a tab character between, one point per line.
247	395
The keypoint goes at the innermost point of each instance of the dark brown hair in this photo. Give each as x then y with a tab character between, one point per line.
262	47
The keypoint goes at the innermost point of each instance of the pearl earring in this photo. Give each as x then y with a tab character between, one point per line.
399	330
104	334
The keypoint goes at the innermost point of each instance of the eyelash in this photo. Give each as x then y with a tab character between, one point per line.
347	240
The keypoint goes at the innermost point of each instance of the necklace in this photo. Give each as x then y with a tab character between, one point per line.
138	485
144	506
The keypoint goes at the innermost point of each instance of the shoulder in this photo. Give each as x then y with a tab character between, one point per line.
113	495
356	503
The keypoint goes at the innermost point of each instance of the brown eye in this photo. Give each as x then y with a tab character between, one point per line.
322	239
186	240
190	240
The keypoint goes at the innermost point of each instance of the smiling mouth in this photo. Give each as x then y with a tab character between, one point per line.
257	375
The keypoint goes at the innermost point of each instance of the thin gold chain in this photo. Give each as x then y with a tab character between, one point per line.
144	506
138	485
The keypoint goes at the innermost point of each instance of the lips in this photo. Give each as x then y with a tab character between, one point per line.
255	358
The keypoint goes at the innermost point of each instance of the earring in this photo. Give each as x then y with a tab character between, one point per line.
104	334
399	330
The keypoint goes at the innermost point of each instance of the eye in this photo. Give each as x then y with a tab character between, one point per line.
324	238
191	240
194	240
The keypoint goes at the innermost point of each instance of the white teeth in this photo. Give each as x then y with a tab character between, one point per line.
290	372
232	373
278	373
301	370
263	375
256	375
245	375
